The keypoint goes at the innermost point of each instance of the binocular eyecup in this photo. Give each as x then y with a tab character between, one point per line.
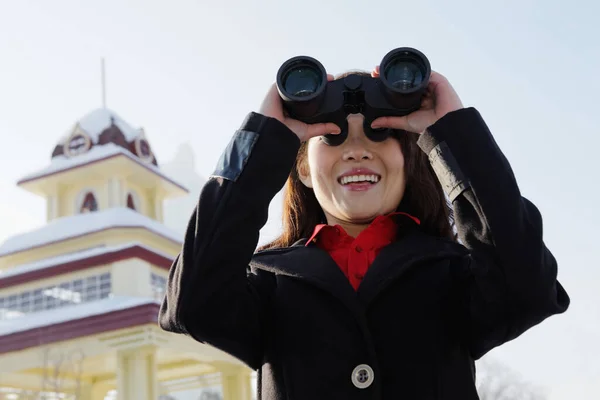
309	97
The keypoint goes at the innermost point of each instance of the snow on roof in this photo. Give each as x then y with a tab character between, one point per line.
82	224
74	256
69	313
96	153
96	121
176	212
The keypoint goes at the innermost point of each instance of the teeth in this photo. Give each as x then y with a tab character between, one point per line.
359	178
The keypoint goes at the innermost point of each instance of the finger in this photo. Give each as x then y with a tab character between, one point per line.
323	129
330	77
427	102
391	122
375	72
271	104
436	77
443	93
436	83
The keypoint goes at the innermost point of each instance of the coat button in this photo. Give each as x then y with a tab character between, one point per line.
363	376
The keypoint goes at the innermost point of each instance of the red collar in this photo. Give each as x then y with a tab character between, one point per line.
379	233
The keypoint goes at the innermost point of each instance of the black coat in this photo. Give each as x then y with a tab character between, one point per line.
426	309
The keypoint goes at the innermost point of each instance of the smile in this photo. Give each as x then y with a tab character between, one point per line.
348	179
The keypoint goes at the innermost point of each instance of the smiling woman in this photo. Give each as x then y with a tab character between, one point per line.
392	174
367	294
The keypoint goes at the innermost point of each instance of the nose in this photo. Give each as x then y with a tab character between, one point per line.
357	146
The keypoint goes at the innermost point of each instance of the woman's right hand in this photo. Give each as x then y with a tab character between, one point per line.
272	106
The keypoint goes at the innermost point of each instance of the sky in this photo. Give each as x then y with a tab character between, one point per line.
189	71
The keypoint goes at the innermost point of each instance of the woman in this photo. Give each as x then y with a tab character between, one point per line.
367	294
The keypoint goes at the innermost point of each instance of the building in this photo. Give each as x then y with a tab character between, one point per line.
79	297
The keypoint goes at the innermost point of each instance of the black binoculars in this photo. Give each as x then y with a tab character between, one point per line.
309	97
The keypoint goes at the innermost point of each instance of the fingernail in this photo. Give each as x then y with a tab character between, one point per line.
375	126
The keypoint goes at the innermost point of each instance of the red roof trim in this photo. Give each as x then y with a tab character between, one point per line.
22	181
114	320
135	251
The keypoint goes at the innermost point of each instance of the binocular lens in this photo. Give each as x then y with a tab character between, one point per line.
403	74
302	81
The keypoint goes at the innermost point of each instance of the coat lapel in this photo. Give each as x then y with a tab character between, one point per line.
312	265
401	256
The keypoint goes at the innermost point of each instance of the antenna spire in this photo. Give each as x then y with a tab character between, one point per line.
103	72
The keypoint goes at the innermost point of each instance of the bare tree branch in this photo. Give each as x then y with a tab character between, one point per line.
497	382
58	366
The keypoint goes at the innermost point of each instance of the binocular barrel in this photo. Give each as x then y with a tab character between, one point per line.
309	97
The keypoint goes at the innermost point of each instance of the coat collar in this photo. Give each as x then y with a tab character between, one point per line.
314	265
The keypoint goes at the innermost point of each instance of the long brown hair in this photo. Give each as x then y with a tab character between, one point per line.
423	196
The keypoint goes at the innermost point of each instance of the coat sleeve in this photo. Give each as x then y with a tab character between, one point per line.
211	293
509	282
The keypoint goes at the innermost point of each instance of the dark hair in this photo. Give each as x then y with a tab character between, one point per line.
423	197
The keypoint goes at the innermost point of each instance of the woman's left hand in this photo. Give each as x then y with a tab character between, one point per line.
440	98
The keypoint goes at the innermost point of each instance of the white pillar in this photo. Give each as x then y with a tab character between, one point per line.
236	384
158	206
131	277
52	206
92	392
115	193
137	377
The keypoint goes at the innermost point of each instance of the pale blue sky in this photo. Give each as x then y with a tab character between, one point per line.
191	70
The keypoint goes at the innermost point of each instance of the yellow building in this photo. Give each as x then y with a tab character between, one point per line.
79	297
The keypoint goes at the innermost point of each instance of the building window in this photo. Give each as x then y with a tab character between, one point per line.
78	143
143	150
89	203
131	202
61	295
159	286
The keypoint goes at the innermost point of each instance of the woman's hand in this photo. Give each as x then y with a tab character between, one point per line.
439	99
272	106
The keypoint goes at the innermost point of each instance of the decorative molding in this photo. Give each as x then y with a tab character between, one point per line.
86	145
134	339
110	321
97	161
135	251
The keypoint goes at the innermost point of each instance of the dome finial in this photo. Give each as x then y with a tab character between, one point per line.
103	73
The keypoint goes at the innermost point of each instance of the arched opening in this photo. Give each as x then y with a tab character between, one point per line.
78	143
143	150
131	202
89	203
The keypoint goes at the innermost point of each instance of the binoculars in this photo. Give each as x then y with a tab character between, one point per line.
309	97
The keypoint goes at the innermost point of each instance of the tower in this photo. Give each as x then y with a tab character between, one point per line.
79	297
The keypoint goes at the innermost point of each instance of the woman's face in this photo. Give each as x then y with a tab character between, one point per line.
357	180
